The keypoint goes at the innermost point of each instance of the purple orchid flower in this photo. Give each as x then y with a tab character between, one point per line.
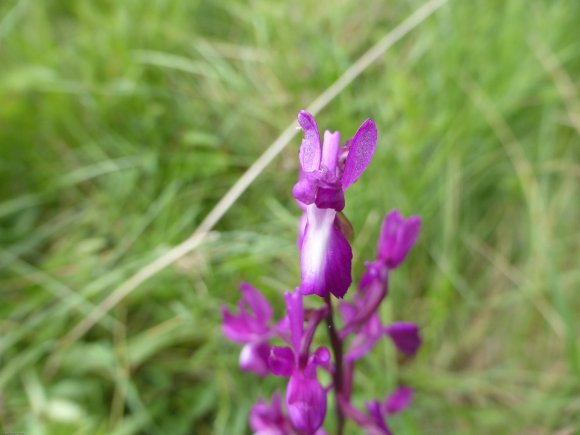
396	402
375	422
305	396
398	235
326	171
269	419
250	327
404	335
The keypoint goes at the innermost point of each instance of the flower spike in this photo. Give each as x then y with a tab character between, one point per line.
327	169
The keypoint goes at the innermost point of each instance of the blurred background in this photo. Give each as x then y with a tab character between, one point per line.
122	123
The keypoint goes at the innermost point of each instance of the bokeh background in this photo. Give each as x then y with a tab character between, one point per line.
122	123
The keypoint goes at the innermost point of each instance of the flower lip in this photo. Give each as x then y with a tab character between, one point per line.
325	255
306	400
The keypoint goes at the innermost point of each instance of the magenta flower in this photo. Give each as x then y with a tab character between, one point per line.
398	235
269	419
404	335
250	327
326	171
305	396
394	403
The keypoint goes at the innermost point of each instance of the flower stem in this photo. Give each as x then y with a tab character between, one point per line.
336	344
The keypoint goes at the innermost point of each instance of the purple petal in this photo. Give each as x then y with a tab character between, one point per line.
254	358
360	153
306	402
266	418
375	271
376	412
330	151
405	336
306	188
281	361
296	318
347	311
365	340
310	151
237	328
320	358
398	235
399	400
330	198
257	302
326	255
373	289
354	414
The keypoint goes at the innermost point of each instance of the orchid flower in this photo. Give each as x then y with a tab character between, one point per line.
250	327
404	335
305	396
397	237
269	419
394	403
326	171
375	421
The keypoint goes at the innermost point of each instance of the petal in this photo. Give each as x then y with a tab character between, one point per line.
306	402
375	410
254	358
373	289
375	271
365	340
405	336
320	358
360	153
330	151
359	347
326	255
306	188
237	328
398	235
399	400
281	361
347	311
330	198
257	302
296	318
268	419
310	151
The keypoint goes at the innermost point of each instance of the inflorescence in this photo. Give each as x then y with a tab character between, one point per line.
326	171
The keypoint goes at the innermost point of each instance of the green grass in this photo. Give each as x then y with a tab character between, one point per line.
123	122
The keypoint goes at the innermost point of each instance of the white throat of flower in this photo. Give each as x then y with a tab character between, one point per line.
315	253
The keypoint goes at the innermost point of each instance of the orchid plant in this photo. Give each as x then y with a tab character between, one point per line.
326	171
